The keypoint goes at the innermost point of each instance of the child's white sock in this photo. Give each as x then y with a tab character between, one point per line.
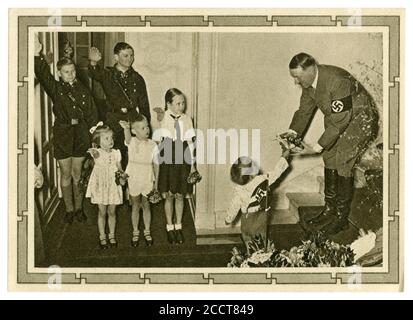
170	227
178	226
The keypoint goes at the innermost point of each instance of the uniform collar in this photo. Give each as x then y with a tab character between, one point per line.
67	84
121	74
315	82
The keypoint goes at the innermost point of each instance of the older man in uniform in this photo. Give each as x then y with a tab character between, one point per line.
350	121
125	90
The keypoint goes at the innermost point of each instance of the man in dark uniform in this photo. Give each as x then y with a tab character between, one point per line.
350	122
125	90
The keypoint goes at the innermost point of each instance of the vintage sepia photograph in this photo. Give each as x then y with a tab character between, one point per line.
205	148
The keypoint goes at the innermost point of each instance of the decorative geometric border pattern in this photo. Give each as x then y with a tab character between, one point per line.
391	277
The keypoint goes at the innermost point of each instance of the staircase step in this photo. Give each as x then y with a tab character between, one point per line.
219	236
304	199
219	240
233	234
282	216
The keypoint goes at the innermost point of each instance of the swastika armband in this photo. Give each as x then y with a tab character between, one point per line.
341	105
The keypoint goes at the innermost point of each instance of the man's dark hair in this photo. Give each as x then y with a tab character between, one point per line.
303	60
121	46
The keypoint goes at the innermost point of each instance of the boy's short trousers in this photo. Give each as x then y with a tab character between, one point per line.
70	141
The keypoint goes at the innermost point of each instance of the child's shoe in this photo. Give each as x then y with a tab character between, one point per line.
135	239
148	238
171	236
103	243
80	215
69	217
179	236
112	241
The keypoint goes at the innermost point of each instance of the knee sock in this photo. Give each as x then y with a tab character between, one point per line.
67	193
77	195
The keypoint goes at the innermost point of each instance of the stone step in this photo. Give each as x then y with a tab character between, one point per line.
304	199
234	239
282	216
232	234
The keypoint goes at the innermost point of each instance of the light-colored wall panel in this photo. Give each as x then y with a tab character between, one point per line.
165	60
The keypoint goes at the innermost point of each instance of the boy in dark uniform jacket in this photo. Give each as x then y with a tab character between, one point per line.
75	113
350	122
125	90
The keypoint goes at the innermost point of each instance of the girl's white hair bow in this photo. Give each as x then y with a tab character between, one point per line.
93	129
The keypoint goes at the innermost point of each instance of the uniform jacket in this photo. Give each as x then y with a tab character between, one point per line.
122	90
70	101
338	95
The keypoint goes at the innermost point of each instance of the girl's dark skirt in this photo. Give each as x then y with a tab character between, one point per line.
173	169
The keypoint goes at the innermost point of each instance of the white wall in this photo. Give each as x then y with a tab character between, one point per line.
165	60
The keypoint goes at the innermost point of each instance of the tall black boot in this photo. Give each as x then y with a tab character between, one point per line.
344	199
330	194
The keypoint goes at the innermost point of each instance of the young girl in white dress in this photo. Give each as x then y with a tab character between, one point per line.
142	171
102	188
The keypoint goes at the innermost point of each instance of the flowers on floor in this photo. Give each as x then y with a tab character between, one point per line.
318	251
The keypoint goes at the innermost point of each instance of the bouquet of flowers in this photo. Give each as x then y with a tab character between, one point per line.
194	178
290	143
86	172
121	178
154	196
